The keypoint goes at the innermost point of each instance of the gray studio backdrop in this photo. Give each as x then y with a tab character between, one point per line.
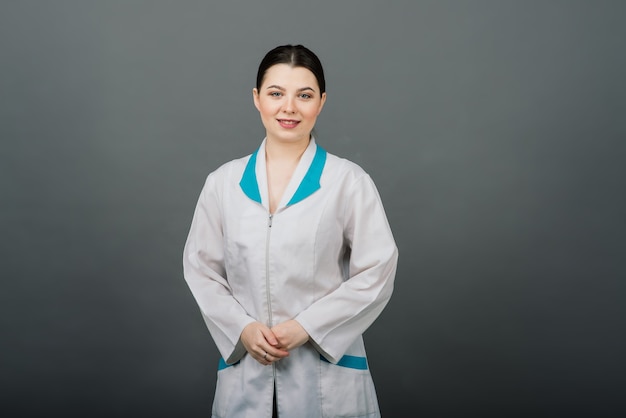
495	131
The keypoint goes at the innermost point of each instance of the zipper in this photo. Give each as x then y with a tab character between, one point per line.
267	289
267	292
267	270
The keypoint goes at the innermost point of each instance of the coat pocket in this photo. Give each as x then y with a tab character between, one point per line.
227	378
347	388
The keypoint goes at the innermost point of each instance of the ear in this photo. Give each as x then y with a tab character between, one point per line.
322	101
255	98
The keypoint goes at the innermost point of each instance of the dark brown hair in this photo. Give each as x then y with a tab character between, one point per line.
295	56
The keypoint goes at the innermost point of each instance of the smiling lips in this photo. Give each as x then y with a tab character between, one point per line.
288	123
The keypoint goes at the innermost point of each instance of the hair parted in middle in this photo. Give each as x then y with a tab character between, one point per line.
295	56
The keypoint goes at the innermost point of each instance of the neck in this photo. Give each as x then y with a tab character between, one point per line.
278	150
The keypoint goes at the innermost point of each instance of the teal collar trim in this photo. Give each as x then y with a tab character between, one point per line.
309	185
248	181
311	181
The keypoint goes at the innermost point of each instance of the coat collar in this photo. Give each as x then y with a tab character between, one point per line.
304	182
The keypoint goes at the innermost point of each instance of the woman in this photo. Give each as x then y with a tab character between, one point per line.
290	258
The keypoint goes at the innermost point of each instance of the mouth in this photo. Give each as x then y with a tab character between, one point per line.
288	123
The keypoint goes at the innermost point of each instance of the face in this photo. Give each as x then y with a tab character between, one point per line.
289	102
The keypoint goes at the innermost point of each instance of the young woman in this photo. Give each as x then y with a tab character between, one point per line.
290	258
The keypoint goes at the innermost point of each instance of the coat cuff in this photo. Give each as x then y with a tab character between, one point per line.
237	353
332	357
233	351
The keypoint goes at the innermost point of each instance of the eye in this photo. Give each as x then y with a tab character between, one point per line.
305	96
275	94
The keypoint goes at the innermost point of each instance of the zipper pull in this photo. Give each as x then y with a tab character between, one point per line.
269	223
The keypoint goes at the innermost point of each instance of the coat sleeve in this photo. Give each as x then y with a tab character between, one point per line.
335	321
205	274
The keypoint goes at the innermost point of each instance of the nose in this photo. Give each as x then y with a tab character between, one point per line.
289	105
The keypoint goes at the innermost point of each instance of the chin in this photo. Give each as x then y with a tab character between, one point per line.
292	137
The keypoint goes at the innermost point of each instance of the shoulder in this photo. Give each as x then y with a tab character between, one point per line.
226	173
229	168
342	169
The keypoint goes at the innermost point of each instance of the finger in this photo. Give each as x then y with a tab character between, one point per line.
269	336
265	359
278	351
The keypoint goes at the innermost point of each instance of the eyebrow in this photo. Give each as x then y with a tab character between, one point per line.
274	86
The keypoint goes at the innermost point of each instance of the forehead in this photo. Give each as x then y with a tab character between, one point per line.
284	75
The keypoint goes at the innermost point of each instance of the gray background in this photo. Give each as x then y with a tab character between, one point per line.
495	131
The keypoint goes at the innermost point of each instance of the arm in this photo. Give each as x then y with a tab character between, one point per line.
204	271
336	320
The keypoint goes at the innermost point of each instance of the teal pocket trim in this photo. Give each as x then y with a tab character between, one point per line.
248	181
351	362
222	364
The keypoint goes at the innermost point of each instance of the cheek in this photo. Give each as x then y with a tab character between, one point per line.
312	112
268	108
316	108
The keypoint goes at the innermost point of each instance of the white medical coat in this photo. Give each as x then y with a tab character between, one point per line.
326	258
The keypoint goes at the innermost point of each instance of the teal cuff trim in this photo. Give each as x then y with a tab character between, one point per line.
222	364
248	181
311	181
351	362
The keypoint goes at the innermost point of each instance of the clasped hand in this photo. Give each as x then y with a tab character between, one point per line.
267	345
